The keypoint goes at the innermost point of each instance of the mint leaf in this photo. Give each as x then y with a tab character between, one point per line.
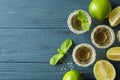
85	26
54	60
83	18
66	45
60	51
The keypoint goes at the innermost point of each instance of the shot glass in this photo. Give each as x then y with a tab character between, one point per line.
74	24
84	55
102	36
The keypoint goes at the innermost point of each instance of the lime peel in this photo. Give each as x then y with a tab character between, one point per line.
100	9
73	75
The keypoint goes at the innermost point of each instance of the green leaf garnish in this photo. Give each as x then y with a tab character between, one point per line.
85	26
66	45
83	18
62	51
54	60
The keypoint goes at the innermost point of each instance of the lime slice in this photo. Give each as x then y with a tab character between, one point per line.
104	70
114	17
114	54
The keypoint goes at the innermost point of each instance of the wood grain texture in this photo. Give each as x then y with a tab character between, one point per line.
31	71
32	30
26	48
37	45
40	13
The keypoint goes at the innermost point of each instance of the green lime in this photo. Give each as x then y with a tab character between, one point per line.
114	17
73	75
100	9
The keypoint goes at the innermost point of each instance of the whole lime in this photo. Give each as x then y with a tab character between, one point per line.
73	75
100	9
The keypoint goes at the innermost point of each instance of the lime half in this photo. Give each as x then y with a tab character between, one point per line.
104	70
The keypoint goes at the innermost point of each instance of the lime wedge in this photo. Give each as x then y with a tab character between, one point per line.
113	54
114	17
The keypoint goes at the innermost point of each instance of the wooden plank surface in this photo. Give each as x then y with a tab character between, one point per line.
30	33
38	45
40	13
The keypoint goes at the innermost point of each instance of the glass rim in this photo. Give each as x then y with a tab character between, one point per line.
91	60
112	36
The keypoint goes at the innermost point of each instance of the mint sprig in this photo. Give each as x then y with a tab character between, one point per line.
83	18
61	52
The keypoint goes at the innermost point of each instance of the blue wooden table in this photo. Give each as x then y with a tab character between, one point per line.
32	30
